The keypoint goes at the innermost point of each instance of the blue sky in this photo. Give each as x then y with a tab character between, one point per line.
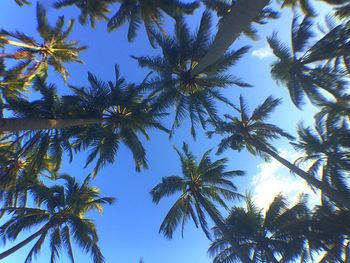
128	230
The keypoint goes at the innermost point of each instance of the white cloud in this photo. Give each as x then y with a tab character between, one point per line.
262	53
273	178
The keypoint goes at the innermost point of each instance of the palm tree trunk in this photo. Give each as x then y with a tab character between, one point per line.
25	242
223	228
232	25
21	124
331	193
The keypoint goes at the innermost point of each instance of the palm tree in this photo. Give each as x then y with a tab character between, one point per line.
149	12
193	97
202	184
122	113
294	71
90	10
61	215
327	153
278	233
37	144
98	117
254	134
35	57
327	235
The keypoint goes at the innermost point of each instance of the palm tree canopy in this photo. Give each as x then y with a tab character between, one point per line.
123	112
28	155
327	233
327	153
277	233
192	96
35	57
294	70
246	129
252	133
148	12
90	10
99	117
206	179
60	211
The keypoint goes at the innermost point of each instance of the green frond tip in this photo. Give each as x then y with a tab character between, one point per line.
22	2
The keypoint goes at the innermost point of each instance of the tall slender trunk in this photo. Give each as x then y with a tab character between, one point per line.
24	242
331	193
224	229
232	25
21	124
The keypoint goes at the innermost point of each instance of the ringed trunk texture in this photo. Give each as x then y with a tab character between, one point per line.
22	124
224	230
24	242
331	193
232	25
